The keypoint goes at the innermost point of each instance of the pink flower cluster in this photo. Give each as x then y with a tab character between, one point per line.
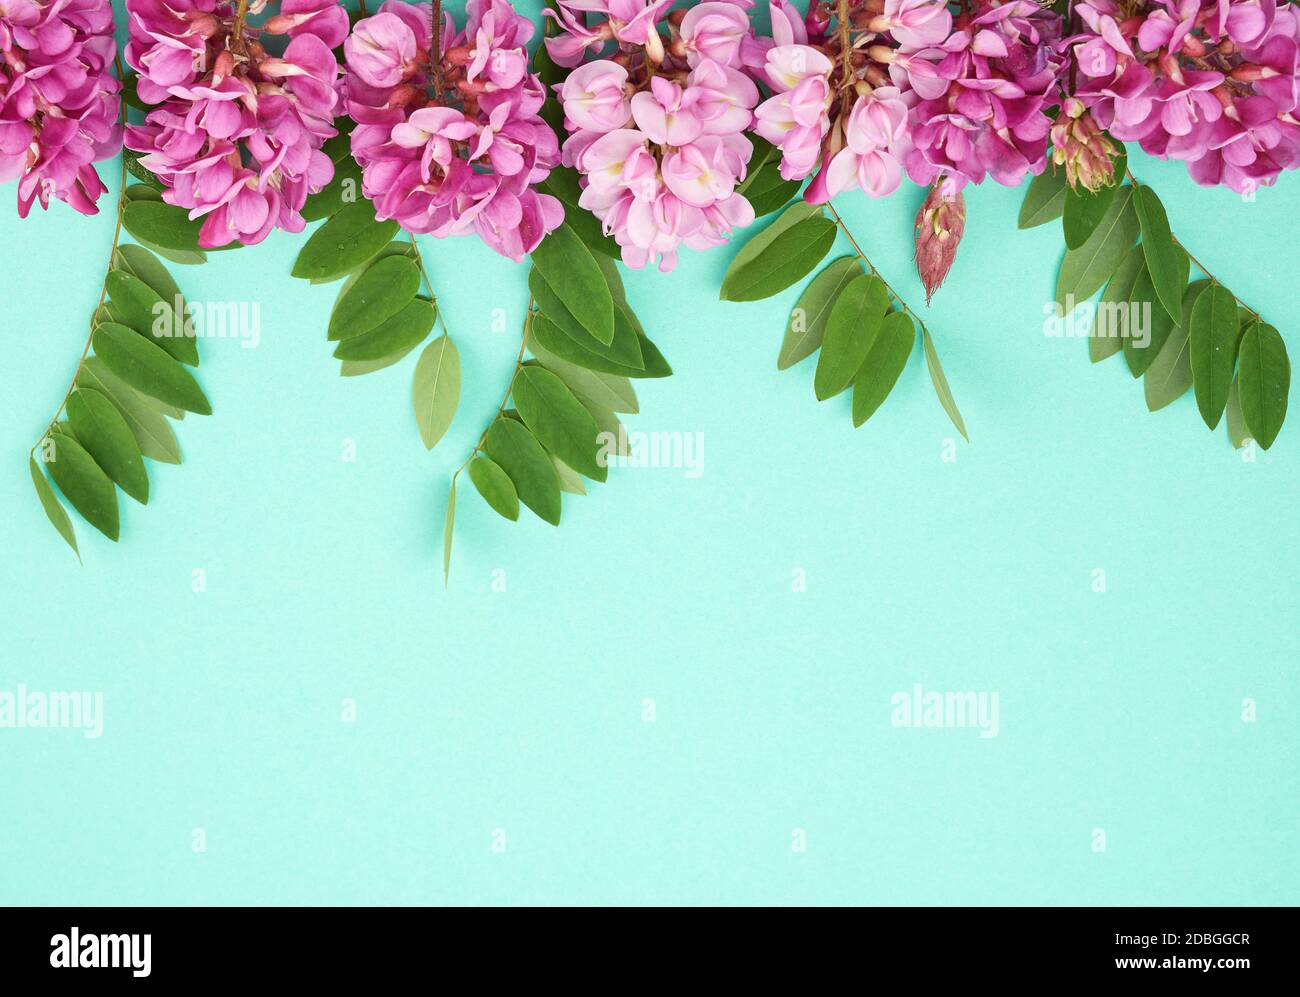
905	85
1212	83
237	132
58	99
453	143
656	126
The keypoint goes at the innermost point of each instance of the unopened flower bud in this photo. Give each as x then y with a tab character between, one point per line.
939	225
278	25
654	47
881	53
458	55
1079	144
223	66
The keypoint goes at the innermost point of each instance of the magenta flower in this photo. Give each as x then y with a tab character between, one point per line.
656	127
236	134
459	147
59	101
1210	82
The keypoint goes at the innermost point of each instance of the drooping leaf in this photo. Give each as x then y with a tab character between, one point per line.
1170	374
1044	198
1084	270
758	244
1149	326
104	433
851	331
83	483
1166	260
137	305
54	511
495	487
436	389
1111	327
1084	209
884	364
558	420
151	431
380	291
448	531
610	390
572	272
807	324
404	330
350	238
623	349
940	383
789	257
517	452
1238	433
148	368
1213	350
1263	382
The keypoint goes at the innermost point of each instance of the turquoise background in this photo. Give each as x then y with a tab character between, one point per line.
522	710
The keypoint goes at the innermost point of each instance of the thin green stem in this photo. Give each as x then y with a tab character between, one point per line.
1199	265
519	362
876	273
103	292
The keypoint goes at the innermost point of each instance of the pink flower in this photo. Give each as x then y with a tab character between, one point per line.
466	156
875	140
714	31
236	134
58	100
594	98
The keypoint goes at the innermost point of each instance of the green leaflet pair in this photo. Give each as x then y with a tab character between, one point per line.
1198	334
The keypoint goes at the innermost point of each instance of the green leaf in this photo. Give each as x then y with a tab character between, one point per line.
1170	374
623	349
344	188
1155	323
104	433
572	272
141	172
545	336
763	186
165	226
355	368
188	258
148	368
940	383
1213	350
1084	209
83	483
1237	431
570	480
788	258
851	331
144	192
884	364
517	452
436	389
797	212
1044	199
350	238
1166	260
807	325
495	487
1264	381
562	184
138	261
448	530
614	392
380	291
402	331
558	420
54	511
137	305
1086	269
151	431
1111	328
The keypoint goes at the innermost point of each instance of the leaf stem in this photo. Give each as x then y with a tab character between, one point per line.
519	362
103	291
1199	265
876	273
